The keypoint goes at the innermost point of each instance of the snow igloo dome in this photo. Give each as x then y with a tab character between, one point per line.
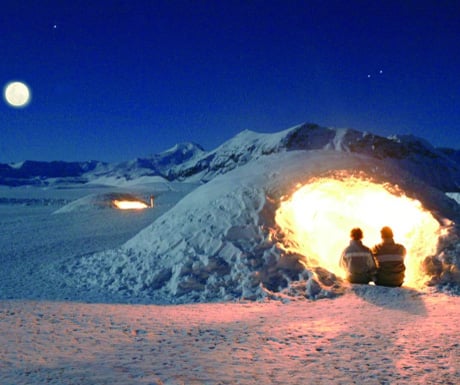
277	226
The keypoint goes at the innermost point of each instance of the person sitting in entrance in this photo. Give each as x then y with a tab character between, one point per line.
357	259
390	260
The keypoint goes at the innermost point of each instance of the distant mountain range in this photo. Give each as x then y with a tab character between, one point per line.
438	167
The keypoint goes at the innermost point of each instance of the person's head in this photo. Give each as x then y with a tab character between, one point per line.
356	234
386	232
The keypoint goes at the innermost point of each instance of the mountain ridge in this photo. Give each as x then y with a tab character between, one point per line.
440	167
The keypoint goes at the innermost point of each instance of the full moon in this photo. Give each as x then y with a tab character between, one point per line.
17	94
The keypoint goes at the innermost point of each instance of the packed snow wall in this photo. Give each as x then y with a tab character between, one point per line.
222	241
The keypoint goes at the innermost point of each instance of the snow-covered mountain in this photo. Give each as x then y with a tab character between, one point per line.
437	167
37	173
56	172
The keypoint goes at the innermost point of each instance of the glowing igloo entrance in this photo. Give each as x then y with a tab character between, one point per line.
317	219
131	202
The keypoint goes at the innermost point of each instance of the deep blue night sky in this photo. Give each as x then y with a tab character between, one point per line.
115	80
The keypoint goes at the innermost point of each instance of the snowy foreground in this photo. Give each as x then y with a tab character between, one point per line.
53	333
370	335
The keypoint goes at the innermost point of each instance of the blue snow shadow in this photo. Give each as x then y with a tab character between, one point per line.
398	298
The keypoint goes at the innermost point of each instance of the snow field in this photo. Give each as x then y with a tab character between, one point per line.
371	335
36	243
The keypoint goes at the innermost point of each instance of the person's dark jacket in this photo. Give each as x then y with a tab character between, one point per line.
357	260
390	263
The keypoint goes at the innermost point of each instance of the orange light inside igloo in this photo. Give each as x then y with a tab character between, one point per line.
317	218
129	205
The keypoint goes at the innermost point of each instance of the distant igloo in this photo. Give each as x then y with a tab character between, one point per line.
104	201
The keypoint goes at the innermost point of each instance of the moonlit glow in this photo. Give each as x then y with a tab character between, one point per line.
17	94
130	205
318	217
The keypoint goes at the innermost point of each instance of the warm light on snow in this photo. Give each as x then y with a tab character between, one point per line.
318	217
130	205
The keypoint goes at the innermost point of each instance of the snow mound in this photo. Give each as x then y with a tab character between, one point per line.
217	243
98	201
